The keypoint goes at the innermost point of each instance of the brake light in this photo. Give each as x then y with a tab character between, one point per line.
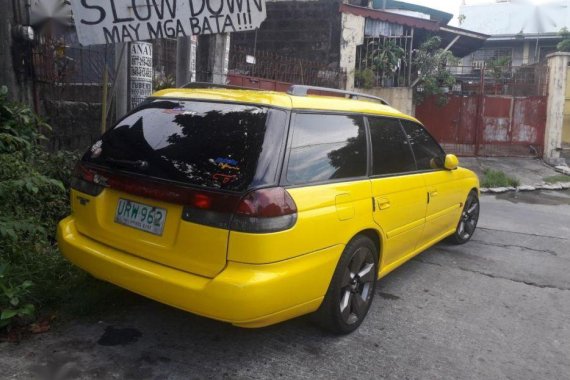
265	210
84	181
260	211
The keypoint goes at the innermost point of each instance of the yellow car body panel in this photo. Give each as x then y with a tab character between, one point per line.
400	213
242	294
182	245
251	279
319	215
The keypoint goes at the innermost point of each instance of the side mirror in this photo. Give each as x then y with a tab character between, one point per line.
451	162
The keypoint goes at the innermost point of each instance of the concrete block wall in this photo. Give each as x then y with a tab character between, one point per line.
307	29
401	98
557	82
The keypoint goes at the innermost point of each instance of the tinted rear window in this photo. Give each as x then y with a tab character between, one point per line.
215	145
326	147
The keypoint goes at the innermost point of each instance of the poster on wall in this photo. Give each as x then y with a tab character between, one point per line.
140	72
114	21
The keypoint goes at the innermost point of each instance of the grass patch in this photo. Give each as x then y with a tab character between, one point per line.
557	178
498	178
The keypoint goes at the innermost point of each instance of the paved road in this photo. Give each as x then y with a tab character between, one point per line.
496	308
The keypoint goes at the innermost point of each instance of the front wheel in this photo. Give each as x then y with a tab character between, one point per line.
468	221
352	288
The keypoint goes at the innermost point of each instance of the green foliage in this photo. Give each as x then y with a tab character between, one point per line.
497	178
499	67
364	78
381	61
564	45
385	56
33	198
162	81
11	306
431	62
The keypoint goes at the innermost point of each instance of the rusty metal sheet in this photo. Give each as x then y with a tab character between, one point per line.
487	125
496	119
529	120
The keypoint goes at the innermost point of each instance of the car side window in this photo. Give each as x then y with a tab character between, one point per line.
391	152
429	155
326	147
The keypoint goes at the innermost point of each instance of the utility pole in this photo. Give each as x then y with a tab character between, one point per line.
183	61
219	56
121	85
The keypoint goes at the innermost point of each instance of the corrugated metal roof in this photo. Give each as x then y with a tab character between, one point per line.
435	14
517	17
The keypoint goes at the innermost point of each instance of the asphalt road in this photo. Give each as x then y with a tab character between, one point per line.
496	308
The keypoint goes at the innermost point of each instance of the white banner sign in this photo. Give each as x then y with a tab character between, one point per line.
140	72
112	21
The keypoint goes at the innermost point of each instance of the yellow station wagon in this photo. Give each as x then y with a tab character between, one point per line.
254	207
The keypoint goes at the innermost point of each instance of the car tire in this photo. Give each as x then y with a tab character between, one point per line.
468	220
352	287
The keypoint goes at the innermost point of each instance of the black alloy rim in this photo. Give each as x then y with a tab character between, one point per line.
357	286
469	218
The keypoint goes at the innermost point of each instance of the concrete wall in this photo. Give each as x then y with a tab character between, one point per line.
352	36
566	128
401	98
558	77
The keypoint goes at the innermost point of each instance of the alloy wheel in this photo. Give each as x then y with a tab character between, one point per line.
357	286
469	218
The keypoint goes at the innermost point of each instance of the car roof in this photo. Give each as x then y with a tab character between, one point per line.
284	100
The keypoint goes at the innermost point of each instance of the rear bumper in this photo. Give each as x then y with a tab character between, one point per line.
245	295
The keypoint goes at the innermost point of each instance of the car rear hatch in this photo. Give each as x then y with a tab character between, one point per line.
164	183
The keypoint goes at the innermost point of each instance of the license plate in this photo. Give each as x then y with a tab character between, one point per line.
140	216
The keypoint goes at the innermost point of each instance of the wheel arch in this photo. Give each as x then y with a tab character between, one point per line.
376	238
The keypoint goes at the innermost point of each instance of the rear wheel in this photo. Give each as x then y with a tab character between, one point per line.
468	221
352	288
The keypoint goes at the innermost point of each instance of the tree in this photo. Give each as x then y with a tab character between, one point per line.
431	63
564	45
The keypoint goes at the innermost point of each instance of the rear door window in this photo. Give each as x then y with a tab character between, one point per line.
215	145
326	148
391	150
429	155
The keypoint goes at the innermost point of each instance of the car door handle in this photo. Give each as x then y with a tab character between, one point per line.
383	203
433	192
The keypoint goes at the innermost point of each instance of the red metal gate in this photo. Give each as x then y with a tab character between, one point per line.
487	125
499	111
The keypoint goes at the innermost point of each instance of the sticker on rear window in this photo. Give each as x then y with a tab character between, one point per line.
227	164
224	178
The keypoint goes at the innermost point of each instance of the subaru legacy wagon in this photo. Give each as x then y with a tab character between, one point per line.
254	207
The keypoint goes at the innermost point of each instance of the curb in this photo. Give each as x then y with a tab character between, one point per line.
500	190
563	169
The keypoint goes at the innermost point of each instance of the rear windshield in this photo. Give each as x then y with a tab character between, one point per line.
216	145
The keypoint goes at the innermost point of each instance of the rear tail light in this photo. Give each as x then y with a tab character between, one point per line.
84	180
264	211
260	211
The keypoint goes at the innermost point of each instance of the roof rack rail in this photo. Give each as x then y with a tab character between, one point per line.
302	90
204	85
